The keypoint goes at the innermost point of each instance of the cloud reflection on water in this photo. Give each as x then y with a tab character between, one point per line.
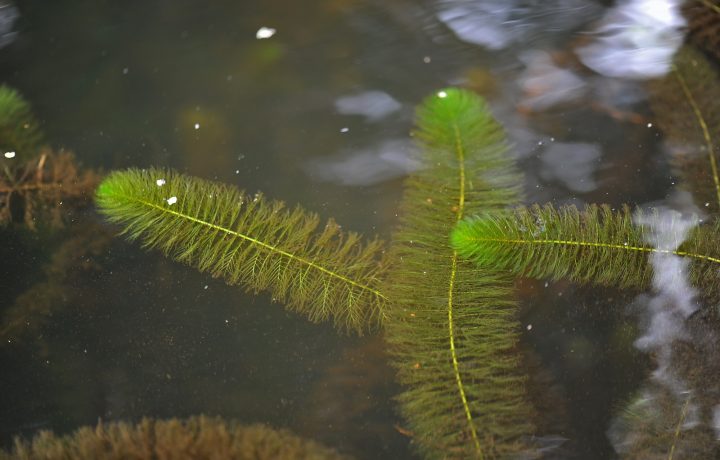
573	164
496	24
390	159
636	39
8	15
373	105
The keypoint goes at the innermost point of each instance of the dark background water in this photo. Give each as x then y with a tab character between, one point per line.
129	333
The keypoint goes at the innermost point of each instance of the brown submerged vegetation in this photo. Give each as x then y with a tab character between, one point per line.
45	189
196	438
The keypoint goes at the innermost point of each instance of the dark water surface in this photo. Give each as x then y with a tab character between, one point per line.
318	114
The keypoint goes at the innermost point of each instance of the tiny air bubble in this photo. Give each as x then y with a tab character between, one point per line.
344	130
197	125
442	94
529	327
160	182
9	154
172	200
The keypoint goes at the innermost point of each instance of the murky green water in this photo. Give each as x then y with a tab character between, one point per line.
318	114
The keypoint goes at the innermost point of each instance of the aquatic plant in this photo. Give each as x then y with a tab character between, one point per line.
451	328
319	271
703	17
687	112
20	133
196	438
71	263
36	184
585	246
656	423
45	190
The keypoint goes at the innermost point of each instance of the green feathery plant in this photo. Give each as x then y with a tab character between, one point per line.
320	272
597	245
451	328
19	131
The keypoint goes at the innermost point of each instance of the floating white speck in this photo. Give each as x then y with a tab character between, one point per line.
265	32
205	287
344	130
529	327
125	71
197	125
237	171
9	154
649	125
442	94
707	204
172	200
427	60
160	182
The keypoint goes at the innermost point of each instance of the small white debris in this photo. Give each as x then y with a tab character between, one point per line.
197	125
344	130
649	125
125	71
237	171
707	204
442	94
427	60
205	287
227	321
172	200
529	327
265	32
160	182
9	154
